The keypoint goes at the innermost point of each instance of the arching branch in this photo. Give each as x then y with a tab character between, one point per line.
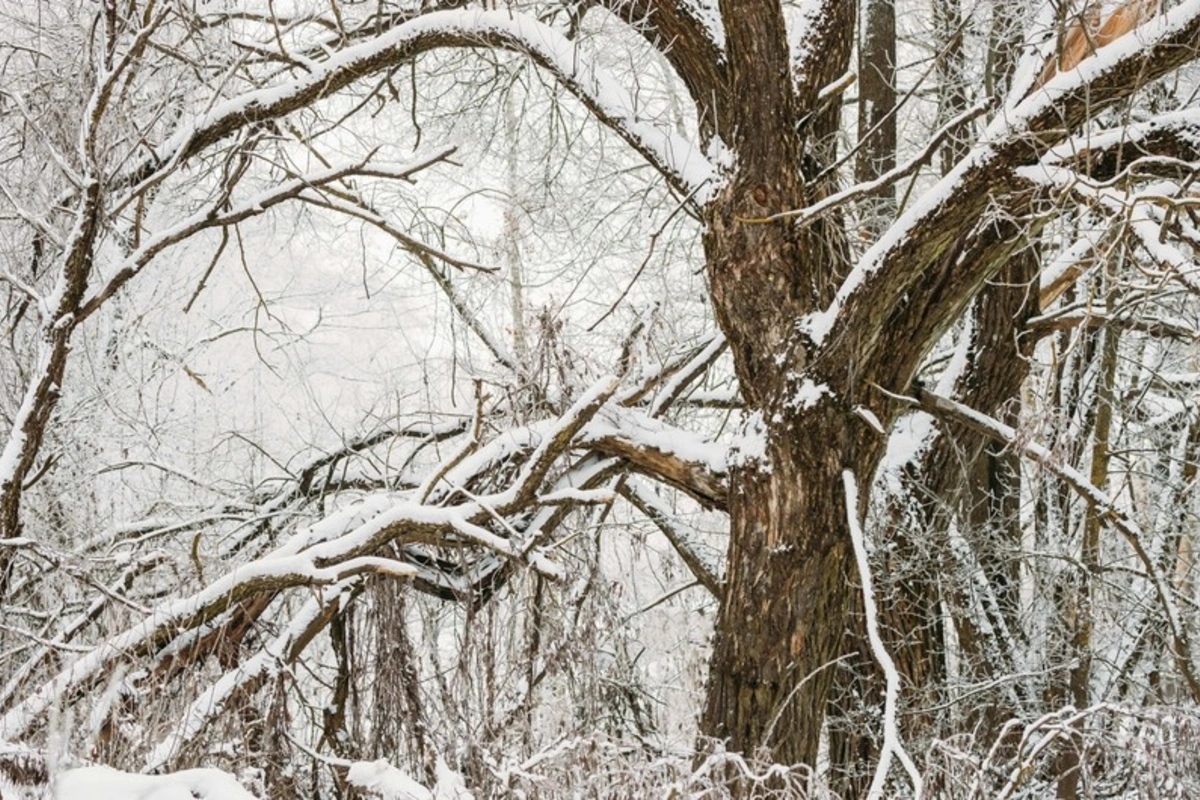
677	159
691	45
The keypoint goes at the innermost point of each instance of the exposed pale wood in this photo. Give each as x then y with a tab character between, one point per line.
1086	34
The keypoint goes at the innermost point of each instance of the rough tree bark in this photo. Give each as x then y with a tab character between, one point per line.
856	697
784	612
785	601
876	108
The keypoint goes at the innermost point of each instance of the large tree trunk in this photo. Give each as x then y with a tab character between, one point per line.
788	586
787	594
784	611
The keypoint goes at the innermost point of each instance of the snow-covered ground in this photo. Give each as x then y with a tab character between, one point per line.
374	778
105	783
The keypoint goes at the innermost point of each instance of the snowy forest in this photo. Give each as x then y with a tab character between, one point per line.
466	399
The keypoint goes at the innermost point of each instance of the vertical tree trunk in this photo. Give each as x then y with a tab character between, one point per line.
952	90
1078	677
876	104
783	615
44	386
856	696
788	586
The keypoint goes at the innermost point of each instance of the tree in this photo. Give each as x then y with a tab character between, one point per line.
827	333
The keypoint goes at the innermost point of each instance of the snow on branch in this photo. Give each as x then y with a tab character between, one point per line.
1037	738
351	205
559	438
1102	154
1098	316
42	388
1145	215
502	498
1160	44
898	264
892	746
664	452
1148	232
832	202
683	377
272	573
539	445
690	35
809	35
347	544
250	672
674	376
702	568
707	14
46	650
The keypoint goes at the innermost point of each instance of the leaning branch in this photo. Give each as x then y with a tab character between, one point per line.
252	672
912	283
152	633
707	573
664	453
1102	505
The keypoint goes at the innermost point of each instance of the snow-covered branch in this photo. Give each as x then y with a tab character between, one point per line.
270	574
664	453
892	745
829	204
348	542
280	651
913	269
681	162
702	568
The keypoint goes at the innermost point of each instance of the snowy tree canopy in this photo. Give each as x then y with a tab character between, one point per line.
618	398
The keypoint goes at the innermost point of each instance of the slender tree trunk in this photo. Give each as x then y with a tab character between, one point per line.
876	106
974	482
952	91
19	454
